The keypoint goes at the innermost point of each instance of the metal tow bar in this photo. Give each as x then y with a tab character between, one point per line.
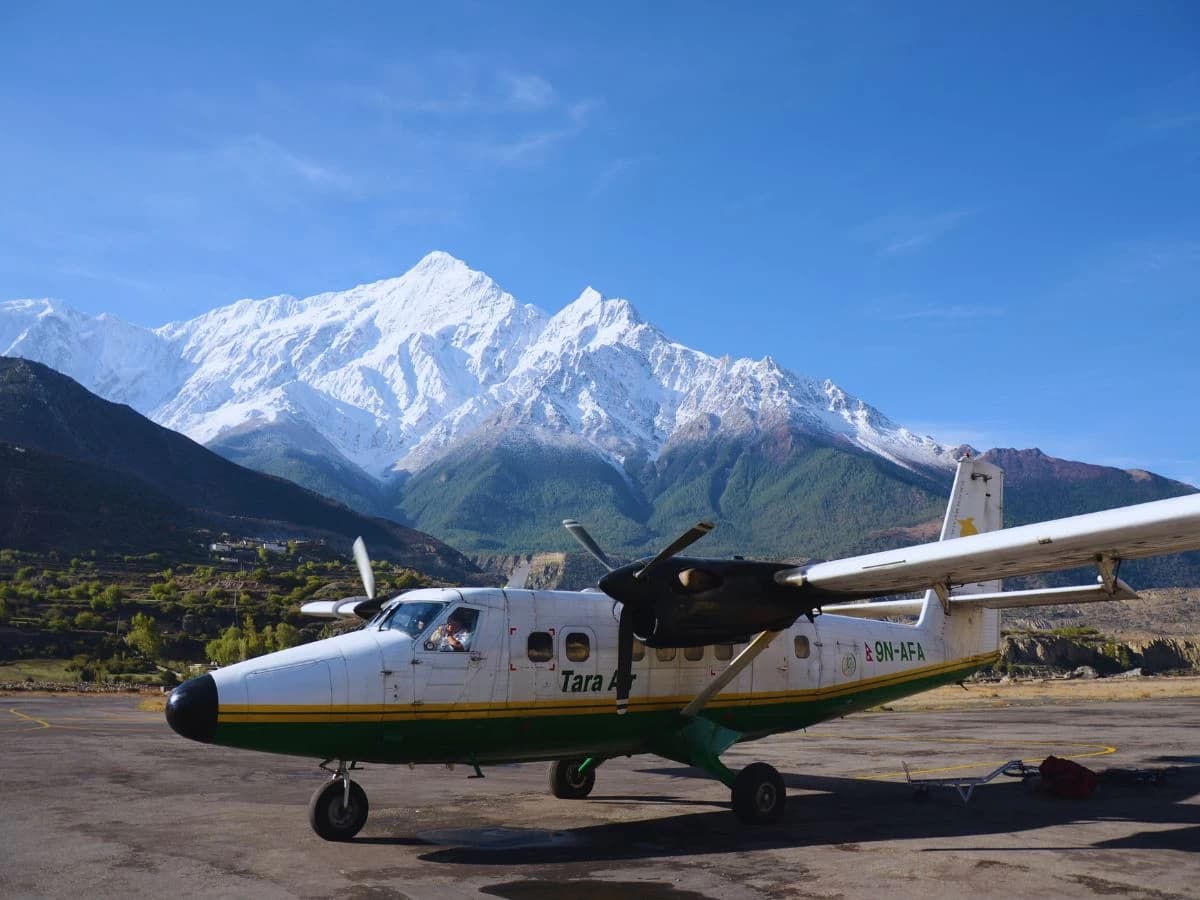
1014	768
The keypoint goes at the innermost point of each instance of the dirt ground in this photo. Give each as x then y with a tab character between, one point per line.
1052	691
103	800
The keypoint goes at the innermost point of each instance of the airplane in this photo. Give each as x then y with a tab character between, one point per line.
676	656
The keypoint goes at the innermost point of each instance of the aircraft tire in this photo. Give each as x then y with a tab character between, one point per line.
565	781
331	819
759	796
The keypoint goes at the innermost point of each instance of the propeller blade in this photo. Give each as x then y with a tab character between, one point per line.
364	567
689	537
580	534
624	658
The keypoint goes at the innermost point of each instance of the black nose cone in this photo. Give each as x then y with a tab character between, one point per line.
192	709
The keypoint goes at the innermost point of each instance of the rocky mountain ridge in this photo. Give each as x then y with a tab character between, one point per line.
77	471
396	374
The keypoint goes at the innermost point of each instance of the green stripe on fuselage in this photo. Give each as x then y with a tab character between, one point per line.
500	739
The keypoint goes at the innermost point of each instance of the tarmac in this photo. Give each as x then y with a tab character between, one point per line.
101	799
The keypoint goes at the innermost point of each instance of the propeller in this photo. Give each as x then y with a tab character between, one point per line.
580	534
624	659
685	540
628	610
367	609
364	567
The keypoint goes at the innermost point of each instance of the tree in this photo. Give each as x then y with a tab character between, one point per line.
253	643
286	636
237	643
107	598
144	636
226	649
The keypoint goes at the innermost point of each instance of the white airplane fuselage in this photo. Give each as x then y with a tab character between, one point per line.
538	682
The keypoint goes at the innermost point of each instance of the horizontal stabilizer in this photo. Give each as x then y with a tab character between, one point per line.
335	609
1086	593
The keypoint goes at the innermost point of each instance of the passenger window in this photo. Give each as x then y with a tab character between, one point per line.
540	646
801	646
693	654
639	650
665	654
578	647
723	652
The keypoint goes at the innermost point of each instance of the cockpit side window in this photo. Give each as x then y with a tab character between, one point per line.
456	633
412	618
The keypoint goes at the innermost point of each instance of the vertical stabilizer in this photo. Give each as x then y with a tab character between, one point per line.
976	507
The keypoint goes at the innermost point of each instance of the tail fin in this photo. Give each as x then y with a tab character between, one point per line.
976	506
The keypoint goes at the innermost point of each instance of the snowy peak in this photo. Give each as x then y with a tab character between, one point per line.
398	372
122	362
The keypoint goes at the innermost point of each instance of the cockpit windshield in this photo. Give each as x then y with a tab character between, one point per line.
412	618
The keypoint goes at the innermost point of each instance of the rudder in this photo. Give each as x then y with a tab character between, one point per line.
976	507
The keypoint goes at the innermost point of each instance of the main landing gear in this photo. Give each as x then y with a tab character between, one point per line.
759	796
572	779
338	809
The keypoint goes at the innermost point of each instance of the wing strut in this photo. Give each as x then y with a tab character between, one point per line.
760	643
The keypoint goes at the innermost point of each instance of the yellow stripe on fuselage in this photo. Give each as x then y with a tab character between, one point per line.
313	714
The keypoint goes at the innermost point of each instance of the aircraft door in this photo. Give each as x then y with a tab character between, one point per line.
534	661
449	663
804	657
772	669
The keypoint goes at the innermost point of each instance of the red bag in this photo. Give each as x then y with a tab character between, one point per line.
1064	778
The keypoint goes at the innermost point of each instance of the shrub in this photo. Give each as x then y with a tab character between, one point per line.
88	621
144	636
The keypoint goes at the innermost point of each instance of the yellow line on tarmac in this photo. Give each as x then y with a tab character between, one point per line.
42	722
1086	750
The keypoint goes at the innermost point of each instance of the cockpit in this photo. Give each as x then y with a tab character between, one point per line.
413	615
411	618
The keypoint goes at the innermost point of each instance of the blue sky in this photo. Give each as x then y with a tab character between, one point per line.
983	219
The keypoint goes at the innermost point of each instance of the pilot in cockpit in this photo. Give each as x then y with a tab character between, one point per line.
457	633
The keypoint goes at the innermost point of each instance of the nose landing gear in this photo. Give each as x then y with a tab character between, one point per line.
338	810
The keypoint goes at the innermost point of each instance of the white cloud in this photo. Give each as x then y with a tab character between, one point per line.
528	91
532	146
898	235
261	158
615	171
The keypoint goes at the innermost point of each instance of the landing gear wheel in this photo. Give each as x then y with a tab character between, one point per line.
758	795
567	783
331	817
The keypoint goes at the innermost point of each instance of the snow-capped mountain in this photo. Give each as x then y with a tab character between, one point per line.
395	375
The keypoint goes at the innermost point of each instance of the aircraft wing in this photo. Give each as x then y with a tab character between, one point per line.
886	609
1130	532
335	609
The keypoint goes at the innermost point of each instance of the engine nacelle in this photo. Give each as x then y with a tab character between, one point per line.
691	602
